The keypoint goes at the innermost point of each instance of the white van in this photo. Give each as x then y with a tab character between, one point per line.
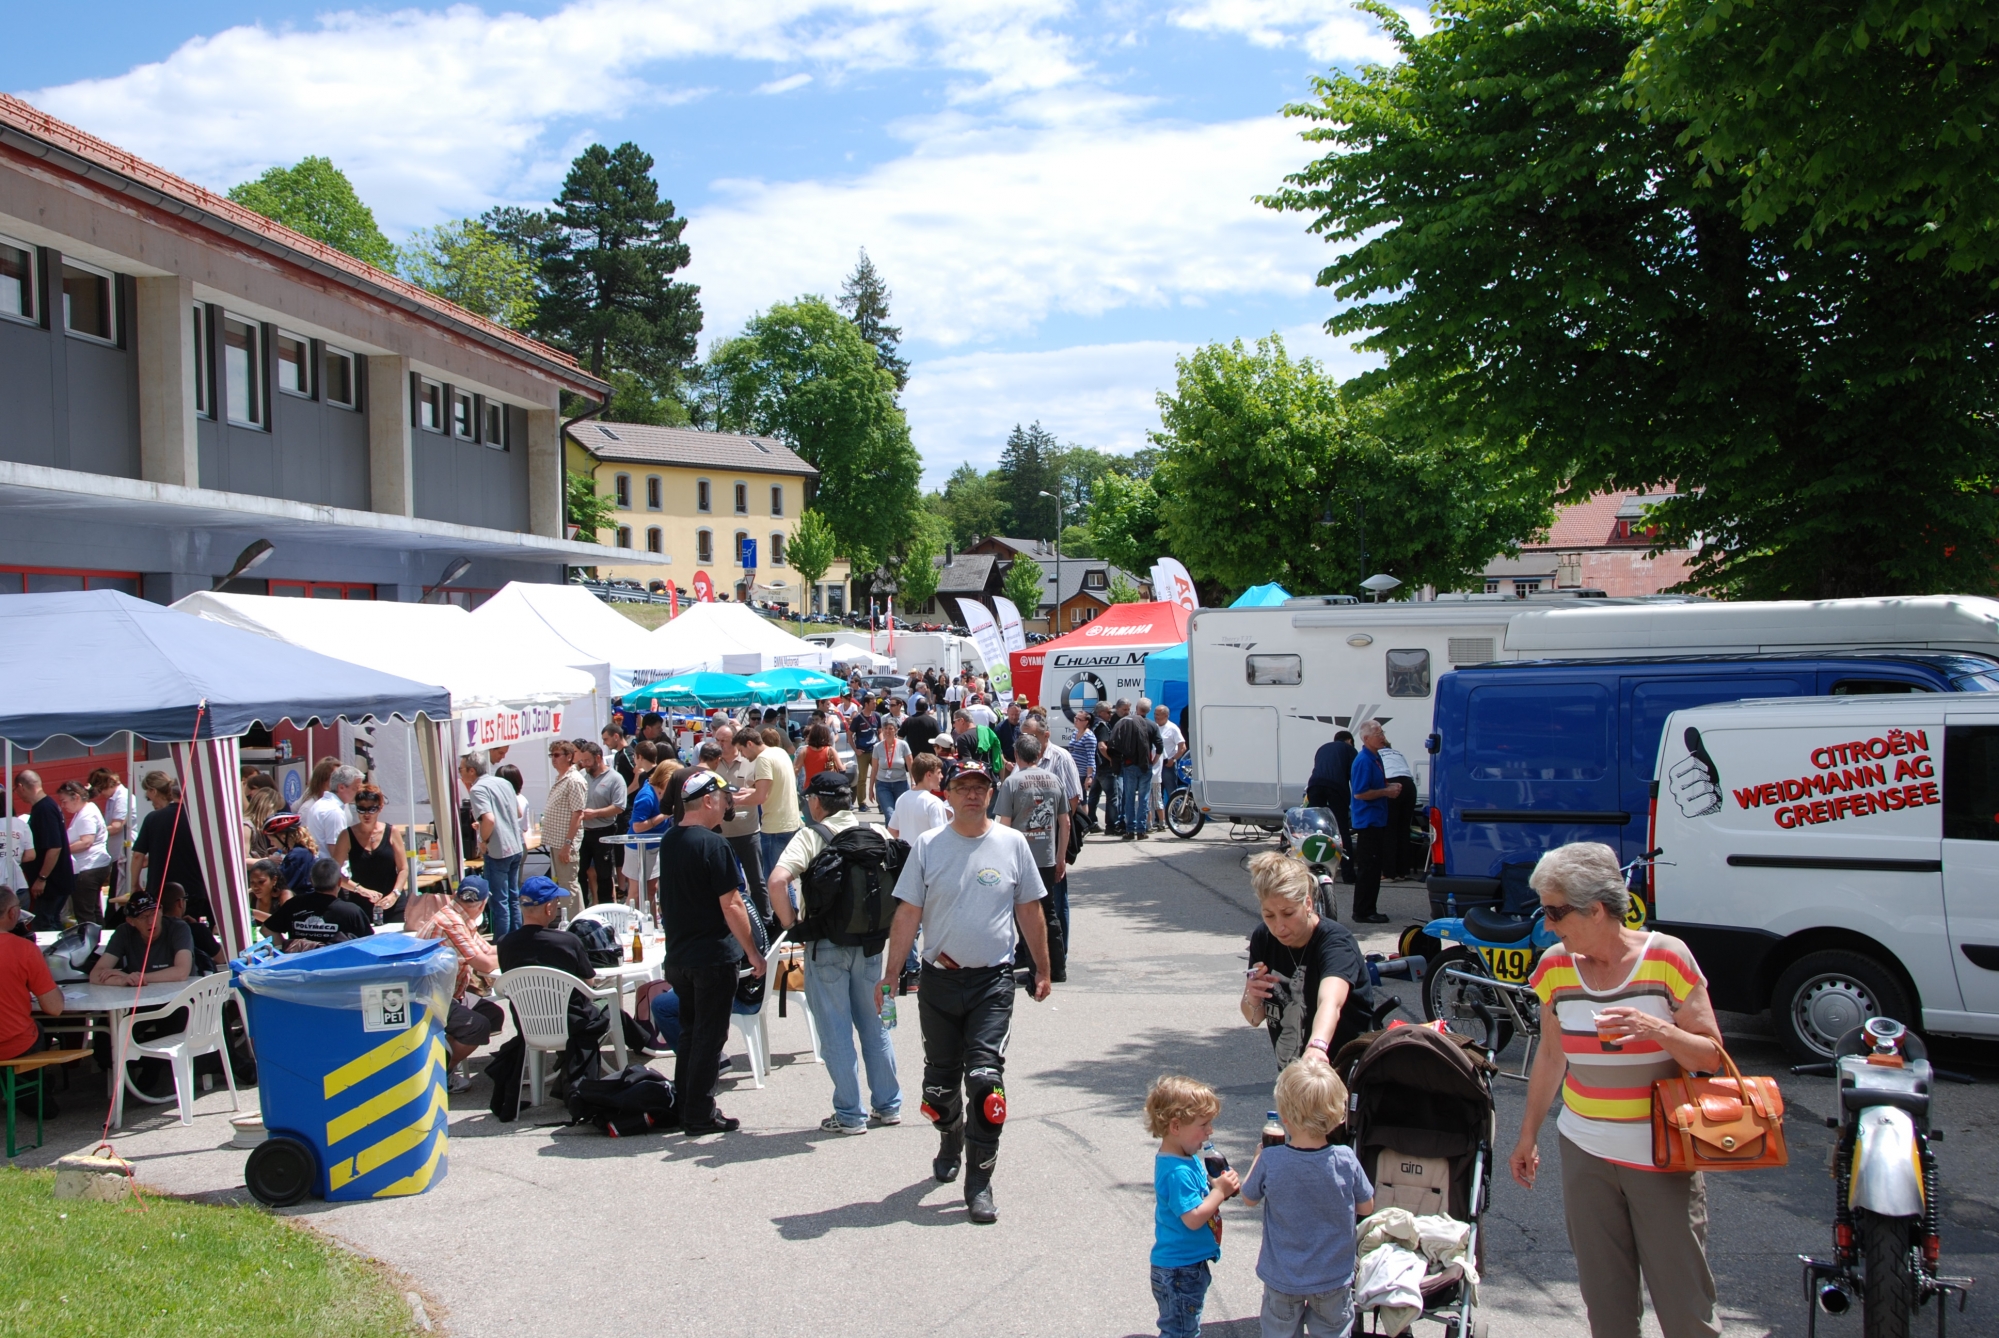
945	652
1836	858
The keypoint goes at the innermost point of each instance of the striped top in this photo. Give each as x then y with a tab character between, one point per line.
1607	1095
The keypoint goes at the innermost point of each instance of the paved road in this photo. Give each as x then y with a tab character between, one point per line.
783	1229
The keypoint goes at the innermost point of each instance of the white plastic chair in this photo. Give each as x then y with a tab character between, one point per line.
756	1033
540	996
621	919
203	998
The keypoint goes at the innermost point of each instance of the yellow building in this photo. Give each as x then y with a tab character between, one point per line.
694	497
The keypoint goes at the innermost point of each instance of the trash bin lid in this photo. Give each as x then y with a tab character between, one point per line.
389	950
307	976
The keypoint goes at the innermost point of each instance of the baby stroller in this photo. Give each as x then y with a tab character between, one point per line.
1420	1118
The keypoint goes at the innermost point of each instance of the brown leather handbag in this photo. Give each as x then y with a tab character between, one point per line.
1718	1123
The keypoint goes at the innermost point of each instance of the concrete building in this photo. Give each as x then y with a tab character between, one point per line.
1599	543
692	498
185	381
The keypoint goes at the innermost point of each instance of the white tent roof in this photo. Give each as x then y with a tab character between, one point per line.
569	624
732	639
431	643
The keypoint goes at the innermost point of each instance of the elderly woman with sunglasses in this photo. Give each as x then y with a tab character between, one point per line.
373	859
1621	1008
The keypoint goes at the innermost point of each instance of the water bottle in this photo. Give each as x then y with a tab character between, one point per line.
1273	1130
888	1010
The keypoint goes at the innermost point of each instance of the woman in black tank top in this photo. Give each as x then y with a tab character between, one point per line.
374	860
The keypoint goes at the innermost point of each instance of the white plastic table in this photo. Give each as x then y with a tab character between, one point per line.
611	982
113	1000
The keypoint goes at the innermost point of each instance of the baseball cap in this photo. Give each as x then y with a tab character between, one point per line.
471	889
698	786
539	891
831	783
975	770
140	902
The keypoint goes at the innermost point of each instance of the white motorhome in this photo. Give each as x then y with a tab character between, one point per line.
1267	686
1836	858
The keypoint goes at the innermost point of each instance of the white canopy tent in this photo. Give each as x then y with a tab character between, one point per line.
502	693
732	639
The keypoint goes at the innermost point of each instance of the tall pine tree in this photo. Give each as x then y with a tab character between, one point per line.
1029	466
608	252
864	297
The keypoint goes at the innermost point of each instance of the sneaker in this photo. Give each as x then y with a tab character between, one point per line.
723	1124
831	1125
459	1082
660	1051
890	1117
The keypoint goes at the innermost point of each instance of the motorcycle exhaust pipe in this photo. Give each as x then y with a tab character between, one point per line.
1834	1299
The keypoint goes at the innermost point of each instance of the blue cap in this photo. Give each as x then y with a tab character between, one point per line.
540	891
472	888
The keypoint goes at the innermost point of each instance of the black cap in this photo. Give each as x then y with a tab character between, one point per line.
832	783
140	902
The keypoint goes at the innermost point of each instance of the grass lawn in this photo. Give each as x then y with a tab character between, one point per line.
179	1270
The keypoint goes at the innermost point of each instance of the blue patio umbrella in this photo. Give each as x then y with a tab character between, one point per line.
703	689
794	682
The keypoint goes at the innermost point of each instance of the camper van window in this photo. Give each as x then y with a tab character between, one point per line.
1543	731
1408	673
1274	671
1971	782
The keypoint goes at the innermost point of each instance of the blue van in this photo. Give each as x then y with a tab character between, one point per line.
1534	754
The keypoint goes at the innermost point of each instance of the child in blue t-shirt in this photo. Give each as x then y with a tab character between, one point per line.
1312	1195
1187	1229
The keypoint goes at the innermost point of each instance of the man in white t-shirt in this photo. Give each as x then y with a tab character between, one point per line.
1172	743
981	713
967	886
89	851
329	815
921	808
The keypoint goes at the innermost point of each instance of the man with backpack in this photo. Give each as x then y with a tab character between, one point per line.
847	871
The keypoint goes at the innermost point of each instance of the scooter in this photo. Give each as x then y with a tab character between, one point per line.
1884	1219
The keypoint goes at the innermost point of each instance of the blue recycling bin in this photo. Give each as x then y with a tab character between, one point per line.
351	1067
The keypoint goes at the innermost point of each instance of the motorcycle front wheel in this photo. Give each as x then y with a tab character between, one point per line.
1184	817
1888	1293
1452	1000
1329	906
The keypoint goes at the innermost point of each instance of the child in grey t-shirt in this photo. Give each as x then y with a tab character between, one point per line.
1312	1195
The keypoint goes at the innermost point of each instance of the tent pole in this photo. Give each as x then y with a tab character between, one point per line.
13	840
410	853
307	727
126	837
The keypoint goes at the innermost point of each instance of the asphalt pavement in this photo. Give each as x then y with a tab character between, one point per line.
543	1229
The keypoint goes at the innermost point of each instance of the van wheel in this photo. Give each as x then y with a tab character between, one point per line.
1824	995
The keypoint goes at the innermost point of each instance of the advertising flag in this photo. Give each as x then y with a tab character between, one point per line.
1172	585
986	636
1011	632
704	587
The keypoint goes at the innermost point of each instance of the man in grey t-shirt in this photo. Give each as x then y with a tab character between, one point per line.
603	806
1032	801
967	886
496	816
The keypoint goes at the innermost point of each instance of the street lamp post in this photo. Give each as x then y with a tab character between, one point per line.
1055	618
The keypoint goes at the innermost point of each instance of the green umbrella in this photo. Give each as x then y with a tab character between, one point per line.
799	682
703	689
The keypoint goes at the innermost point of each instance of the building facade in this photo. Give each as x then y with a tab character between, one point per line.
692	499
1599	543
186	383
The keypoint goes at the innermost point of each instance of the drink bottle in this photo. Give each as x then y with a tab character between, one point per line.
1213	1159
638	946
888	1011
1273	1130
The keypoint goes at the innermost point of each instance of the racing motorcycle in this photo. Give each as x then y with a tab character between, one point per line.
1313	835
1884	1212
1184	817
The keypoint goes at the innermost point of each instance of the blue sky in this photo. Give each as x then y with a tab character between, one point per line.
1059	194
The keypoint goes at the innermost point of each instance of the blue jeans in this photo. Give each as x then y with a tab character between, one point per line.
887	792
503	886
773	846
840	991
1134	794
1180	1292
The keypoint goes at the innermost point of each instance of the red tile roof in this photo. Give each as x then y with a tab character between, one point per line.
30	121
1590	522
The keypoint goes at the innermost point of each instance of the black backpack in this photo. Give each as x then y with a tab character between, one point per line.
600	942
850	887
632	1102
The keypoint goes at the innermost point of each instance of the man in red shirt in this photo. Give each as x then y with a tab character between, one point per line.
23	973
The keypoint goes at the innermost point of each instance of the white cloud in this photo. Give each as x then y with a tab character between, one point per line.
786	84
1329	30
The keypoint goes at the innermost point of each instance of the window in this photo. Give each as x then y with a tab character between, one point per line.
294	365
1874	687
429	405
836	601
1522	589
1095	580
322	590
1079	616
704	546
336	377
49	580
702	499
495	432
777	550
17	280
1971	782
1492	587
1544	732
1408	673
1269	671
655	541
86	302
463	424
203	404
777	499
742	538
624	536
742	499
621	489
652	492
243	371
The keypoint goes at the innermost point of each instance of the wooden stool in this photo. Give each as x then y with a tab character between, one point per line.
16	1075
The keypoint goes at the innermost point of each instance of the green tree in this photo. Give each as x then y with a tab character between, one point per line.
635	399
315	198
586	508
1022	585
1828	118
1553	284
1027	468
812	548
917	571
971	504
864	297
1334	499
1122	591
1076	542
1125	522
801	372
607	254
468	263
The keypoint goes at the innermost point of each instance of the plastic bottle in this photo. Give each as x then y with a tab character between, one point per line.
1213	1159
888	1010
1273	1130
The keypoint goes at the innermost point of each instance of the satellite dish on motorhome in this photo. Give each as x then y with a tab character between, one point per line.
1380	584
